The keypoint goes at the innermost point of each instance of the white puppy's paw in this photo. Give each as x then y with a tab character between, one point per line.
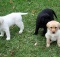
1	35
20	32
8	38
47	45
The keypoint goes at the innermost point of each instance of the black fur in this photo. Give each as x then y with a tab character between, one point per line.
45	16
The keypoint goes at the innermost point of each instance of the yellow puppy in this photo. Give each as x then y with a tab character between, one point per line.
53	33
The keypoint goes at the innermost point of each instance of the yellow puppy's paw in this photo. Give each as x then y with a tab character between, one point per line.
59	45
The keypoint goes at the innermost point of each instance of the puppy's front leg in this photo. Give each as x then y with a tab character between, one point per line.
7	33
58	42
47	42
36	30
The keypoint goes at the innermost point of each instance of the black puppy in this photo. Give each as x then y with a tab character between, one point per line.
45	16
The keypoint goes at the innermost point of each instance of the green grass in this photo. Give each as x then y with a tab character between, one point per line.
23	45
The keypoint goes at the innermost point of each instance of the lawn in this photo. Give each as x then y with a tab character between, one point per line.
24	45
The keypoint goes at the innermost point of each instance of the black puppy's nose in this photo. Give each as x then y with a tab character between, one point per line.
53	32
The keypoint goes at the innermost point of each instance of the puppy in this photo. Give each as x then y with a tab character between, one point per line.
45	16
53	33
9	20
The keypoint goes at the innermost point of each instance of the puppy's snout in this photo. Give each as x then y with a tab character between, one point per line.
53	30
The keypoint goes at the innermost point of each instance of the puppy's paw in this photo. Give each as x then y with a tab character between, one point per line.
43	34
1	35
35	33
8	38
20	32
59	45
47	45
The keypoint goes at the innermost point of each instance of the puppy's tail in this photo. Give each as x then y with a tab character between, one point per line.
23	13
54	14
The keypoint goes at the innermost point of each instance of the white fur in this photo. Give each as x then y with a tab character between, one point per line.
53	37
9	20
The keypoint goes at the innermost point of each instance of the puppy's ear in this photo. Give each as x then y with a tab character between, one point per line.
47	25
59	25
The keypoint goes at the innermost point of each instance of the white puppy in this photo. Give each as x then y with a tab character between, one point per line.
53	33
9	20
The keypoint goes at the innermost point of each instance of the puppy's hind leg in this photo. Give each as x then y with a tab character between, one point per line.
21	26
2	33
44	31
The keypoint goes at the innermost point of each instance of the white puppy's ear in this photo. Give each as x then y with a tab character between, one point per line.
1	21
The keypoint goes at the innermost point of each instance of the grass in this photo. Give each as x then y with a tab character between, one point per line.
23	45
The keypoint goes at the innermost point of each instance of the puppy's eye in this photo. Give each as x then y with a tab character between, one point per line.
55	27
50	27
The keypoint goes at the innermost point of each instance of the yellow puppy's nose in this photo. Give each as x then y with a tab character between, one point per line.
53	32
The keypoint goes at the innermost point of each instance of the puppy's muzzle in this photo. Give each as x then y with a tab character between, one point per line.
53	30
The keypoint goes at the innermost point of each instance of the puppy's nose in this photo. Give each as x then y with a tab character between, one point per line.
53	32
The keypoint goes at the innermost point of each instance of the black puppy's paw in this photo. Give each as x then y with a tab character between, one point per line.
43	34
35	33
